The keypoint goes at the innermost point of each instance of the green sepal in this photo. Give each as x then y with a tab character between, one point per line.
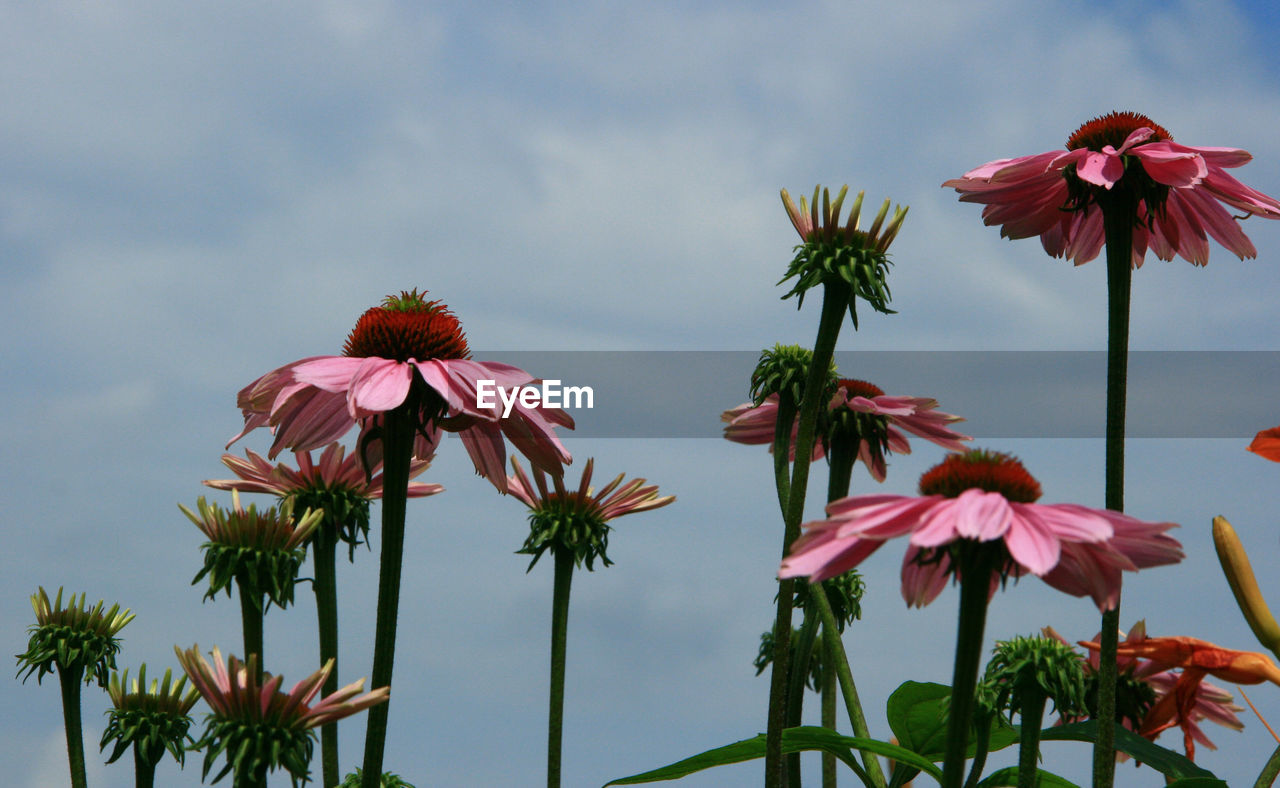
272	572
863	270
151	732
582	535
60	646
249	748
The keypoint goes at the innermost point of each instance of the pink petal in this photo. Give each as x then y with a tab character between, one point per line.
379	385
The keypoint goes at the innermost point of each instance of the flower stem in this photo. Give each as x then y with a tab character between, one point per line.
559	639
144	771
324	546
1032	712
828	709
840	663
975	585
802	658
1269	772
835	299
1118	213
251	614
70	678
397	452
251	621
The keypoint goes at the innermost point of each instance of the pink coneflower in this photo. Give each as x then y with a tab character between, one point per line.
407	352
1179	192
578	519
983	500
865	413
256	724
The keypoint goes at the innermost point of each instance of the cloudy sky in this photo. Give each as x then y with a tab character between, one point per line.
193	194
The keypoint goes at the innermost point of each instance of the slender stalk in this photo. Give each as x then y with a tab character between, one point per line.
70	678
782	448
1032	712
828	710
852	704
1118	212
1269	772
559	640
251	621
835	299
797	676
841	457
324	549
144	771
982	730
251	614
975	584
397	452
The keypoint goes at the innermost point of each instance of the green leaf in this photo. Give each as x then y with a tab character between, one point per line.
1198	782
793	740
917	715
1009	776
1159	758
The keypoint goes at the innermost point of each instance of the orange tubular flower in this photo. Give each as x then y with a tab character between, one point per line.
1197	659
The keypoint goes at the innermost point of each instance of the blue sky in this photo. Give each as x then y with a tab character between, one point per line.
193	195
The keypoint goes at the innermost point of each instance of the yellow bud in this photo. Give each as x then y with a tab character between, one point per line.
1235	565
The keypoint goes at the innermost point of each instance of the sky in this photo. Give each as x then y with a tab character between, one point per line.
192	195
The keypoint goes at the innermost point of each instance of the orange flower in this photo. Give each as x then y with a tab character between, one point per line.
1197	659
1267	444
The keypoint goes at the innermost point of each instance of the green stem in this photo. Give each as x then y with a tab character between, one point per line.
975	584
70	678
1118	212
144	771
251	621
1032	712
397	452
782	448
797	676
982	729
841	457
840	662
828	709
835	299
324	545
559	639
251	614
1269	772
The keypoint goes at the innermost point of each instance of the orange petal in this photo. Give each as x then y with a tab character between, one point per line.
1267	444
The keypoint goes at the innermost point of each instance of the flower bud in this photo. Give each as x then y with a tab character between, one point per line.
1235	565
